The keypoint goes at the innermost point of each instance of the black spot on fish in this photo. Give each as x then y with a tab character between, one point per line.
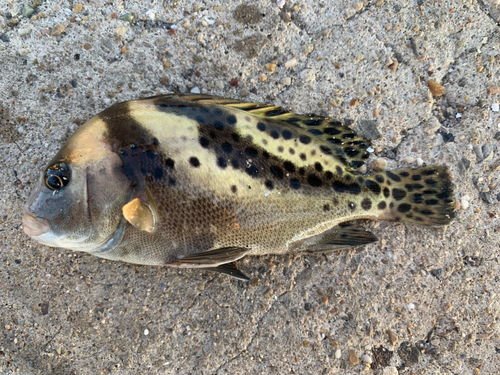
266	154
373	186
342	187
302	171
269	184
277	172
171	181
315	131
325	150
291	151
339	170
349	136
252	171
261	126
287	134
430	192
204	142
221	162
289	166
227	147
218	125
335	123
303	157
426	212
150	154
212	135
331	131
158	173
404	207
328	175
429	172
335	141
231	119
235	137
194	162
251	151
409	187
431	202
318	166
404	174
275	112
382	205
275	134
326	208
155	141
314	180
393	176
313	122
417	198
218	112
313	152
294	184
379	179
234	189
235	163
280	149
361	180
366	204
416	177
169	163
356	164
398	194
443	195
305	139
386	192
431	182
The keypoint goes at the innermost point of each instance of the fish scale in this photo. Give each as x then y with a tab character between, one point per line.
200	181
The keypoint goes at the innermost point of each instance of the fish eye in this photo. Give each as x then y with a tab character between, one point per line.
57	176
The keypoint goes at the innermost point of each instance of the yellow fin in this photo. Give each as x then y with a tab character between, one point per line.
139	215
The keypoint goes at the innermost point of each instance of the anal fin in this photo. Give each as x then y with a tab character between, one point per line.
230	270
341	237
211	258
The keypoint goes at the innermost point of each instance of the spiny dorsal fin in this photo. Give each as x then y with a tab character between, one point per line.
336	139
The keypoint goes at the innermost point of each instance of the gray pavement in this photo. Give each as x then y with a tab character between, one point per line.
435	290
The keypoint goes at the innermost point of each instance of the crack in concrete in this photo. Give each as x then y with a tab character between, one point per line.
278	298
485	10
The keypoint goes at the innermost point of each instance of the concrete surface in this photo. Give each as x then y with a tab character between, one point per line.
435	290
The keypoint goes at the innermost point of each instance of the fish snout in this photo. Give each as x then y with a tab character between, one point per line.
35	226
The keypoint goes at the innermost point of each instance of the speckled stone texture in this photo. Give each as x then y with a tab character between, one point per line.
436	290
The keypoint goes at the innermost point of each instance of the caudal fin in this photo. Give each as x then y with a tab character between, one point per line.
423	195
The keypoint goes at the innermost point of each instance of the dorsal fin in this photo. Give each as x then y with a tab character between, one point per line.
335	138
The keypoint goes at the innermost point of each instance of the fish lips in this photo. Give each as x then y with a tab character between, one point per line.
35	226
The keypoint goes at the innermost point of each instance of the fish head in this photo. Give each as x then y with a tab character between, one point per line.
77	204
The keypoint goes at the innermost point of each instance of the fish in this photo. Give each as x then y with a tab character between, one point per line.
197	181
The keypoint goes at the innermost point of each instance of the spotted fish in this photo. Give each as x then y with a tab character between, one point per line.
199	182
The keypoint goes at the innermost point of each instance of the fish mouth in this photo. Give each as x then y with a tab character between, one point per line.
35	226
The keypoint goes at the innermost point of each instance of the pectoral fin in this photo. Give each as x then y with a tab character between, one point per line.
139	215
230	270
210	259
142	212
341	237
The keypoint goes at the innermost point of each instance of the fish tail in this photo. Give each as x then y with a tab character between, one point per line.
423	195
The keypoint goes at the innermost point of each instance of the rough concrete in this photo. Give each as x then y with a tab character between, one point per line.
435	290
